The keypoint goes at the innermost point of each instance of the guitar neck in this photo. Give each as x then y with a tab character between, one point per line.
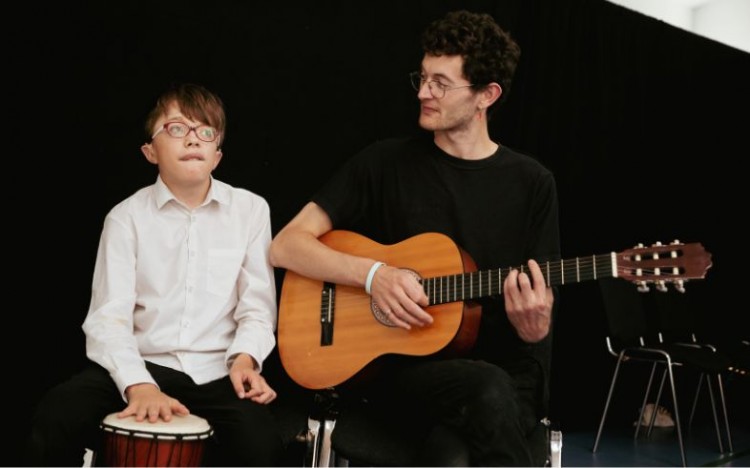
484	283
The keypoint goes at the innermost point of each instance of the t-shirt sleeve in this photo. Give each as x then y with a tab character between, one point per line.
345	196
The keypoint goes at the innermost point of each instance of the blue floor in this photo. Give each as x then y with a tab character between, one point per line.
617	447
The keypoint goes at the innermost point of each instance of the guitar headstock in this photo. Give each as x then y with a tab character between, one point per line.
661	264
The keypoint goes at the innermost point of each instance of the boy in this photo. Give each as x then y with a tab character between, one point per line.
183	305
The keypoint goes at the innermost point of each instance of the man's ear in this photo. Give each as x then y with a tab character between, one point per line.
149	152
490	94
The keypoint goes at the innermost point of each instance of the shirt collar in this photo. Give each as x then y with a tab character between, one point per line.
216	192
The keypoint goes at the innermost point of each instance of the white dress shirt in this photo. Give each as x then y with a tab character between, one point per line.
187	289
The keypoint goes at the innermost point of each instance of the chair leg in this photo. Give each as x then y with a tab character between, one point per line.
678	424
606	405
695	400
646	394
312	441
723	401
320	424
555	459
327	456
657	402
714	412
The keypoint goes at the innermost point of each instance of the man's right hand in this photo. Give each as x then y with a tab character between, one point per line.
400	296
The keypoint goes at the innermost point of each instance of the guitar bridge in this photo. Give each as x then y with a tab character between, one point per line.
327	307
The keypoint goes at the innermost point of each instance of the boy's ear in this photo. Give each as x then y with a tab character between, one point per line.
149	152
219	154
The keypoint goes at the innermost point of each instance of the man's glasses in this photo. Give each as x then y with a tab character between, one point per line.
437	89
180	130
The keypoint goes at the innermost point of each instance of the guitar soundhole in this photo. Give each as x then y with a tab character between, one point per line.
378	313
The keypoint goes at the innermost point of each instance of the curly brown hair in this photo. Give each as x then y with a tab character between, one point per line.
489	53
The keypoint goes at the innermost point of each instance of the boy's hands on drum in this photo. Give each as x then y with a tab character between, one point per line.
147	401
247	381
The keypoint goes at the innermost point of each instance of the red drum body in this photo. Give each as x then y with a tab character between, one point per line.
179	442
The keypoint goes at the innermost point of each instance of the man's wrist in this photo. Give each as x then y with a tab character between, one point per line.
370	275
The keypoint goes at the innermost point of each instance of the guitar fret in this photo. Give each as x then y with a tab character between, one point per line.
441	289
593	257
447	289
453	290
456	286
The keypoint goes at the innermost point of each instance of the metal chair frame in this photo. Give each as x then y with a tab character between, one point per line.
665	355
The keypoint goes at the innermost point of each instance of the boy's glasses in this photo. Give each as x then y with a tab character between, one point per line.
180	130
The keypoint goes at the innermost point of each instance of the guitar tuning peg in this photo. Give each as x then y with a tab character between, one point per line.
675	242
643	286
661	286
679	285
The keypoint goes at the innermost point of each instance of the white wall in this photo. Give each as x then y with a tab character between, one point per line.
725	21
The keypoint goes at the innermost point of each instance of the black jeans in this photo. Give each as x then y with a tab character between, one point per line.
67	419
471	412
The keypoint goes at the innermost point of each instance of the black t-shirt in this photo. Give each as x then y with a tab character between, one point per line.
502	210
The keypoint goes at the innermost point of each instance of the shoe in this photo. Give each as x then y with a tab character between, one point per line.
663	417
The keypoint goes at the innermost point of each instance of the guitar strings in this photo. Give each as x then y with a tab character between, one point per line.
483	283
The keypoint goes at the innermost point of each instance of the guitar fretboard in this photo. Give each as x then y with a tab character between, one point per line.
484	283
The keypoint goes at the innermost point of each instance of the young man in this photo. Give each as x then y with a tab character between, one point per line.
497	204
183	305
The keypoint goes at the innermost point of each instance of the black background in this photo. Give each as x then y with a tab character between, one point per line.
644	125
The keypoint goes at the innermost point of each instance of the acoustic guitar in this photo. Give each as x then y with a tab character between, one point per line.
328	333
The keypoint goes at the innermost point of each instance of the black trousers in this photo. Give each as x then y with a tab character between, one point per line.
471	412
67	419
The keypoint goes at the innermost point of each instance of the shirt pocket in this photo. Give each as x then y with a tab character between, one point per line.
223	269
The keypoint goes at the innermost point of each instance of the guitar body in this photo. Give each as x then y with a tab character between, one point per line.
358	337
329	333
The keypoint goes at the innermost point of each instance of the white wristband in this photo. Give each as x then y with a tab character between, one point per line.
371	275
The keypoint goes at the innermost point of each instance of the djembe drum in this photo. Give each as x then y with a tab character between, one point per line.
179	442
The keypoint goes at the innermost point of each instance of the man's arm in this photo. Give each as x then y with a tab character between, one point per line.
297	248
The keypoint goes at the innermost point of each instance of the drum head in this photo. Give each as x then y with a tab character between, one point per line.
188	427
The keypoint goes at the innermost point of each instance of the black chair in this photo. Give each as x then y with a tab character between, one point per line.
632	338
681	320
